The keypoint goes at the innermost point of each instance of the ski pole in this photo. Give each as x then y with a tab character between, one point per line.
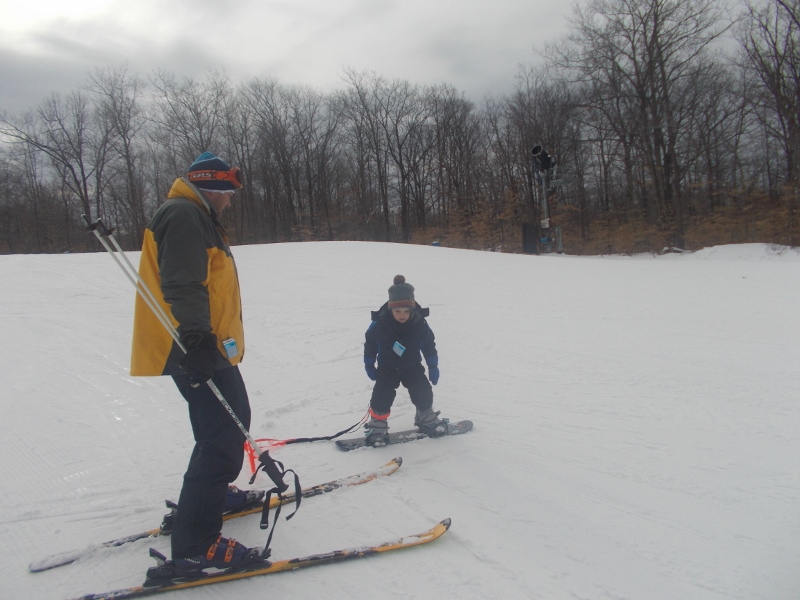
103	234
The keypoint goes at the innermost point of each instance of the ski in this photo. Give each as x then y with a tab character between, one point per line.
275	567
400	437
65	558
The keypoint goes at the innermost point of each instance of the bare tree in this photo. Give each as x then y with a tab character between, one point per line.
359	166
120	96
279	166
404	126
189	113
638	58
315	123
770	38
364	107
457	138
76	142
240	144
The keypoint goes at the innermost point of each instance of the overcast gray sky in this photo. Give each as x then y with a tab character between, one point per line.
475	45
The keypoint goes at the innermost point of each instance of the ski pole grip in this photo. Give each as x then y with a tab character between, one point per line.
273	470
97	226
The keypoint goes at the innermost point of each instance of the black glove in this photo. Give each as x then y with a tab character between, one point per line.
201	356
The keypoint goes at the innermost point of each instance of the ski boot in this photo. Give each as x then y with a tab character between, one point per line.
237	500
224	555
429	423
377	430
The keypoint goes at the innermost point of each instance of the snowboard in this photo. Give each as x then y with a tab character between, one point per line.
401	437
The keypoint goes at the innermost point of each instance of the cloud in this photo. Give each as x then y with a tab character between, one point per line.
474	45
27	80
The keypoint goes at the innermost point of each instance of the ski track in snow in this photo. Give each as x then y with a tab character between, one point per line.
635	420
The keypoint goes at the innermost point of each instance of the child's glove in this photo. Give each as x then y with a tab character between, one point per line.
433	370
372	372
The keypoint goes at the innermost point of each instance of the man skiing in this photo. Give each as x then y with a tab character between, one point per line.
187	264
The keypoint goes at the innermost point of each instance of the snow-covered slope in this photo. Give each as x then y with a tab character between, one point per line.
636	424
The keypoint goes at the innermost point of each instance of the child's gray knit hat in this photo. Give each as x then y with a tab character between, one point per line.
401	294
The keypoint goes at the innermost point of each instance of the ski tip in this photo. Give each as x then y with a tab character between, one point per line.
446	523
57	560
398	460
39	566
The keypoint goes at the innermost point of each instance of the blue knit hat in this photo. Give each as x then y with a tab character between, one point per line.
210	173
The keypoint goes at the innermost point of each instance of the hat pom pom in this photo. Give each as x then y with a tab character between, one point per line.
398	279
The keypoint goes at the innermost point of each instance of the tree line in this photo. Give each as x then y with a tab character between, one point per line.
672	124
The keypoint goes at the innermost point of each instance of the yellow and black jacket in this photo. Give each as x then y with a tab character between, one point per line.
188	266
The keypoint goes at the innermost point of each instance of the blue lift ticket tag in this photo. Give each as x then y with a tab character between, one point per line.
230	347
398	348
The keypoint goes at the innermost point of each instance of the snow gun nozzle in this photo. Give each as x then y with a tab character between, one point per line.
97	226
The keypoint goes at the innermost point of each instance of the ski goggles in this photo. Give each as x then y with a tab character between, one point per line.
234	176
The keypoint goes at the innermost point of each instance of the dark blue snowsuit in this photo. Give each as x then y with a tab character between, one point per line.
398	348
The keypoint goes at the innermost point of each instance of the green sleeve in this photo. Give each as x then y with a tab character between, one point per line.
183	234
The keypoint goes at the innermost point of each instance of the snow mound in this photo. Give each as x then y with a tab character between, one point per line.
747	252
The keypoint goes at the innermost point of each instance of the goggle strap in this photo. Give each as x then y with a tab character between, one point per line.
232	176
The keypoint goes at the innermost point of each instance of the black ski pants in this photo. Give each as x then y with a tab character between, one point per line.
216	460
387	382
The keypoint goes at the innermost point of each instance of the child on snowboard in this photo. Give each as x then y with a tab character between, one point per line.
397	336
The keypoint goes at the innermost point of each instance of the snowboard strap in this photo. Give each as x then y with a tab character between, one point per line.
276	472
